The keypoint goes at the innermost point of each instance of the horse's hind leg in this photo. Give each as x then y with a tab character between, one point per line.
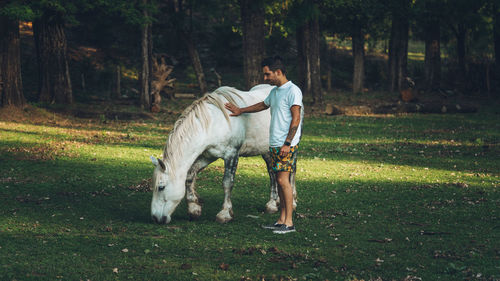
194	207
274	200
272	204
230	165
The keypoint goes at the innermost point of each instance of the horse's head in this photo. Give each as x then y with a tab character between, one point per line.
166	196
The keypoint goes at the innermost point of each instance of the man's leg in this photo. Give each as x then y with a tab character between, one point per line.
286	197
282	218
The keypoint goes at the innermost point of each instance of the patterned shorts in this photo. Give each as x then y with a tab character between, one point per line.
284	164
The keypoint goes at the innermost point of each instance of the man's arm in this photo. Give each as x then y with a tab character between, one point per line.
249	109
294	126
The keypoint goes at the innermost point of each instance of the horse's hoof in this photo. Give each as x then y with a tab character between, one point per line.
194	210
271	207
224	216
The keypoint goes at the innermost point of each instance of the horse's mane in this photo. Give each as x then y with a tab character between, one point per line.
193	119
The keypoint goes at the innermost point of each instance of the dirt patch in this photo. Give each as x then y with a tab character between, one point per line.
112	115
31	114
396	108
44	152
144	186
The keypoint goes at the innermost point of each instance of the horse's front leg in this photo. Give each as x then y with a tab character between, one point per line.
194	206
230	165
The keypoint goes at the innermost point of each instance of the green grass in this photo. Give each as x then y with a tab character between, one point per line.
379	196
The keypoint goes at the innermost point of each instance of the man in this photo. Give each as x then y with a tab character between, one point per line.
285	102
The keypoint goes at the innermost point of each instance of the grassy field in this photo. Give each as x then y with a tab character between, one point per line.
409	197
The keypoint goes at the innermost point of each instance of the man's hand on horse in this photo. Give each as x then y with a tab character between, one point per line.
233	108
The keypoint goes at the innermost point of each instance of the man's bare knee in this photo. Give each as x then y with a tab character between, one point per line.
283	179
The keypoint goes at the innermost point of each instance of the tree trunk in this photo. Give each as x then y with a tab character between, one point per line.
393	59
330	53
11	87
393	62
252	16
403	54
432	55
50	40
398	47
314	54
117	89
147	61
176	7
302	69
195	59
358	52
308	41
461	41
496	32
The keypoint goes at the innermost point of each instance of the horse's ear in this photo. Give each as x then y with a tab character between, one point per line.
162	165
154	160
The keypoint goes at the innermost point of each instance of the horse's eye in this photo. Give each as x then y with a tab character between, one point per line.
161	188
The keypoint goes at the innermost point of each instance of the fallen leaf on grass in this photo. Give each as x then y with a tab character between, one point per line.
412	278
300	215
125	250
386	240
186	266
176	228
273	250
115	270
224	266
422	232
461	184
252	216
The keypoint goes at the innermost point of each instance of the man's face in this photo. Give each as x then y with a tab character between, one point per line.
270	77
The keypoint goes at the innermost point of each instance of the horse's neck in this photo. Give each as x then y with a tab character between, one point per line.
186	155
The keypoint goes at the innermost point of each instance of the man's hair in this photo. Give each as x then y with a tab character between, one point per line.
274	63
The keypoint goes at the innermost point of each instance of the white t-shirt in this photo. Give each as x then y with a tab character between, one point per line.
280	100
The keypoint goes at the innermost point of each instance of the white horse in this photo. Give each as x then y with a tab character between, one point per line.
204	133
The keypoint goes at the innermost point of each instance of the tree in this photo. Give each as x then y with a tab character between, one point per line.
496	39
252	17
461	18
178	12
358	51
51	46
146	60
11	89
308	36
354	19
398	45
429	20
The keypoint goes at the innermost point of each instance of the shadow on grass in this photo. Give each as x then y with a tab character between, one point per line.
101	192
82	208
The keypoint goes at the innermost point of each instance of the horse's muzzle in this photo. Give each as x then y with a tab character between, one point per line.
162	220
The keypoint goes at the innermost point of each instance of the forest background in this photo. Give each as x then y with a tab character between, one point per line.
61	52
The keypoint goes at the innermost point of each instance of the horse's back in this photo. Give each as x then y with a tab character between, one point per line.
257	124
248	132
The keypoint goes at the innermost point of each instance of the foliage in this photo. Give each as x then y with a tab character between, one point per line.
17	10
379	196
342	14
111	27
